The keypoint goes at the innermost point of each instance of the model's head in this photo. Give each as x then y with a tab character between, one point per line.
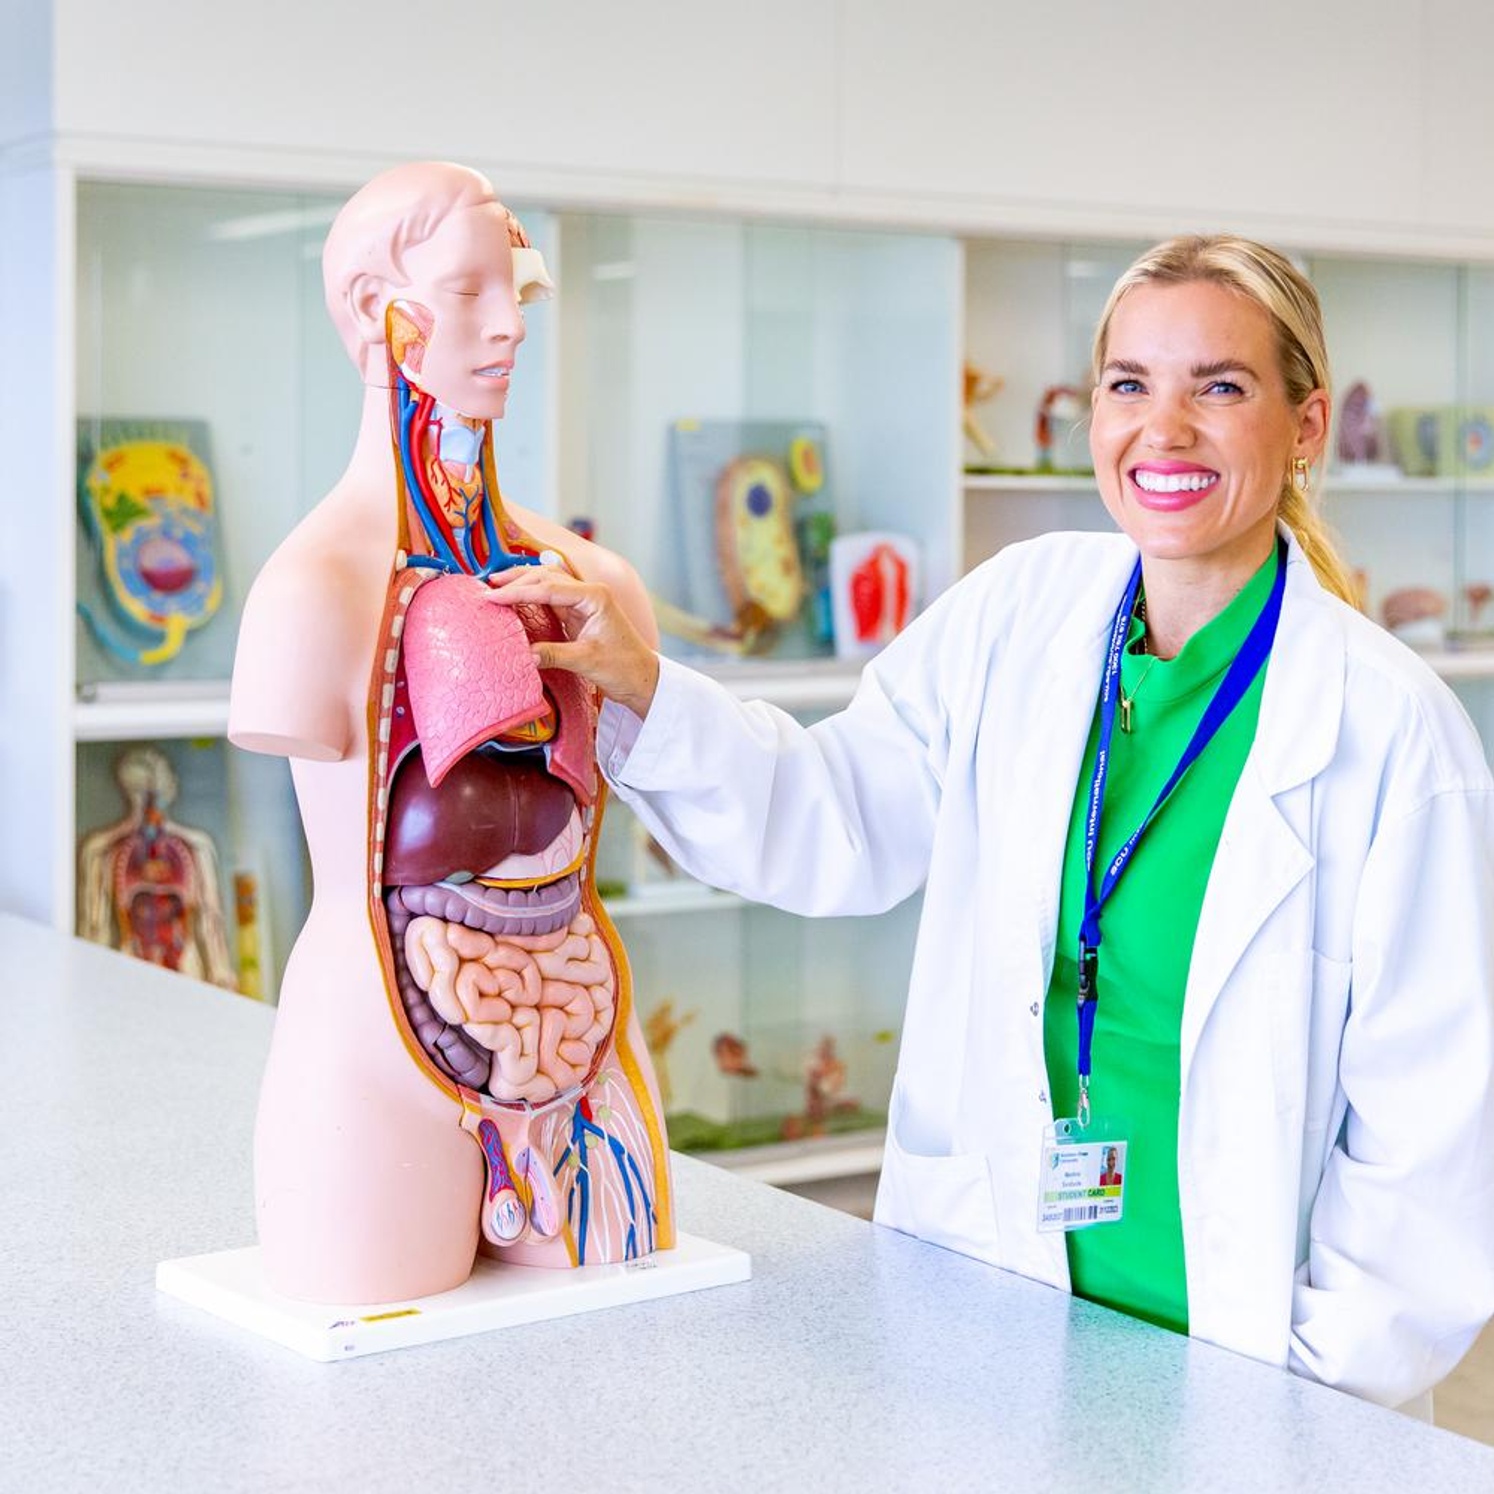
1211	404
145	775
432	241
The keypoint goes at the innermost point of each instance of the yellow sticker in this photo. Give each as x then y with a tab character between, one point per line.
382	1317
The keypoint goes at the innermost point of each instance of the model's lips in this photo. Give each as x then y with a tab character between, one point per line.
494	371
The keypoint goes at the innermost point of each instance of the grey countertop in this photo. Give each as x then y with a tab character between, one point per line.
856	1358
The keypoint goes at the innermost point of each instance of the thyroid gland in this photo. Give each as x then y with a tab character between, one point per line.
508	977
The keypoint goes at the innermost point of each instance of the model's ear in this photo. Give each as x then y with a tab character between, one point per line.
368	295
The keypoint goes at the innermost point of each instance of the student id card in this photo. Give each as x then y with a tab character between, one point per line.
1083	1178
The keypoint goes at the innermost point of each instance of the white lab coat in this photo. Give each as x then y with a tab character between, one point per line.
1336	1137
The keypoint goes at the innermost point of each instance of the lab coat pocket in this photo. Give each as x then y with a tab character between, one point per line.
1331	985
1307	1023
946	1200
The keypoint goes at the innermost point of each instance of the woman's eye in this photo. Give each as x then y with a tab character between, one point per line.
1224	386
1125	386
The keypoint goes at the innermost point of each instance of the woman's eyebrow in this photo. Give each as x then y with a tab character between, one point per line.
1226	366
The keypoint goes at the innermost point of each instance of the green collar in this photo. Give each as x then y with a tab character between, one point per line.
1207	653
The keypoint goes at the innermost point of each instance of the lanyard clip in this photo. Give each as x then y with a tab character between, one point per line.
1089	972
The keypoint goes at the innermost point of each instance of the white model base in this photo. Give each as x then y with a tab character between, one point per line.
230	1284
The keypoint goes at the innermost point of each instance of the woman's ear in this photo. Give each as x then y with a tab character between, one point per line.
1314	415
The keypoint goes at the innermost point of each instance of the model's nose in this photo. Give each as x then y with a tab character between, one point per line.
504	323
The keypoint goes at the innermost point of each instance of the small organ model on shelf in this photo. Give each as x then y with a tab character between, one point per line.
1066	405
980	387
148	885
795	1091
660	1028
1362	447
874	590
1415	615
824	1093
1451	441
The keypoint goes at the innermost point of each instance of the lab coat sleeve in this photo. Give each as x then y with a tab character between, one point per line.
1400	1271
833	818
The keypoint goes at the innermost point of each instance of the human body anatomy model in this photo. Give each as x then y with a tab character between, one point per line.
457	1056
148	885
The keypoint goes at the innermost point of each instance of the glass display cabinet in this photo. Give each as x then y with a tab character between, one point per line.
201	337
677	345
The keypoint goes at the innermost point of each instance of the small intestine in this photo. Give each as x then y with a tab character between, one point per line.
542	1005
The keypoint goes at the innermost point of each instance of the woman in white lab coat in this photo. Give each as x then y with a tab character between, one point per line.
1285	1013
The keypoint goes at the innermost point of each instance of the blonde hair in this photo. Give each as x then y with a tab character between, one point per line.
1286	295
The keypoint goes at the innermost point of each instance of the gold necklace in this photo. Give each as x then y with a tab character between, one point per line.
1128	701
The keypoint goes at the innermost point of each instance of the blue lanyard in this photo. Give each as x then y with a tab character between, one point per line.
1239	677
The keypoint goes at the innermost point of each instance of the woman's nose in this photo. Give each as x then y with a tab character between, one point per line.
1168	425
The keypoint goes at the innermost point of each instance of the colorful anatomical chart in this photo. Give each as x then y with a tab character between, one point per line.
146	501
753	516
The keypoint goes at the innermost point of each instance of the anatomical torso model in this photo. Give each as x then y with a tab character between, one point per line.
457	1063
148	885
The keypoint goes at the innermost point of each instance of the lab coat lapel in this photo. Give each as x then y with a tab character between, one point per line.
1053	754
1263	851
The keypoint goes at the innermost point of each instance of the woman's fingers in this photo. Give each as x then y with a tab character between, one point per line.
601	645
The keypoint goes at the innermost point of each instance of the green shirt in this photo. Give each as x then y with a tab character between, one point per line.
1148	928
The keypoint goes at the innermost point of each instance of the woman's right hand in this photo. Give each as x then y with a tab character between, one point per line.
601	646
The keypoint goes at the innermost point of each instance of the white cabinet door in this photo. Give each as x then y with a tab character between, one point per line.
653	88
1167	113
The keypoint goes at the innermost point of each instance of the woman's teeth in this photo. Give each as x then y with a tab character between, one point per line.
1173	482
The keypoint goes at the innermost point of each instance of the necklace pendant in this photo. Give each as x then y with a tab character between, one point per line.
1125	707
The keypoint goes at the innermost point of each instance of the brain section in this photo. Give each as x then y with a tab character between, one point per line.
539	1007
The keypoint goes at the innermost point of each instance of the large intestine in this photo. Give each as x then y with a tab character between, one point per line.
542	1005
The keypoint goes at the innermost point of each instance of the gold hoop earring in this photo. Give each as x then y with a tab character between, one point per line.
1299	474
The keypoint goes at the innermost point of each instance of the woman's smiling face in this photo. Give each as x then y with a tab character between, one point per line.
1192	434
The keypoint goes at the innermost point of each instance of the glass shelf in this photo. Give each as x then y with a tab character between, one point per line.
136	710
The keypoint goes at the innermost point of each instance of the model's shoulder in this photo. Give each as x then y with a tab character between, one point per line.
592	562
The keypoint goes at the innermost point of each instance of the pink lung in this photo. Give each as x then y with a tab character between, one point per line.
470	677
470	674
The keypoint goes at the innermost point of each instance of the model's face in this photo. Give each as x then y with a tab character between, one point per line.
464	313
1193	435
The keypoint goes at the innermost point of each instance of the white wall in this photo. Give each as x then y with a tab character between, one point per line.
1321	124
36	657
25	70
